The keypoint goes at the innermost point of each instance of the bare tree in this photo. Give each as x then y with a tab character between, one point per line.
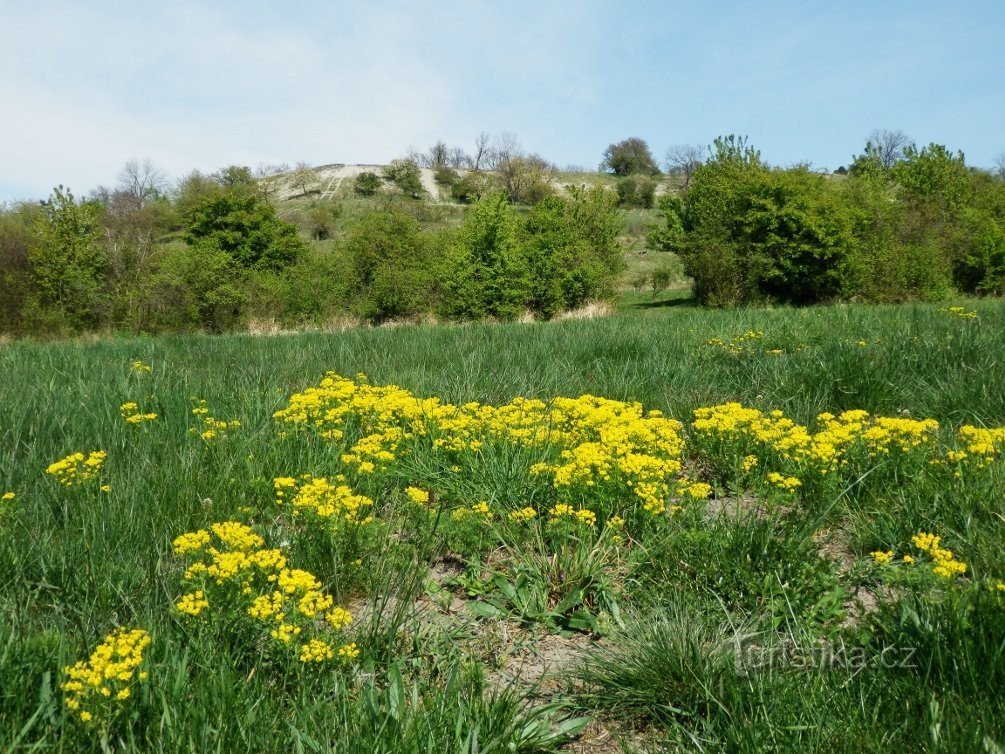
458	158
684	160
888	146
505	147
483	149
436	157
270	178
141	181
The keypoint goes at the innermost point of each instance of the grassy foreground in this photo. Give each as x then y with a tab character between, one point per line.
794	603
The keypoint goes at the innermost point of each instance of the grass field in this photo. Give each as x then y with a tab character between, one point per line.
741	581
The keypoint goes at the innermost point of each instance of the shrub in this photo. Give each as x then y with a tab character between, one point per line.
405	174
446	176
246	228
68	262
395	265
470	188
490	276
636	191
367	183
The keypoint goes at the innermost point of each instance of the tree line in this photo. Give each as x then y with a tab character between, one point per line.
903	222
215	253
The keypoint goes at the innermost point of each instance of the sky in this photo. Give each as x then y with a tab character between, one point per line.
86	86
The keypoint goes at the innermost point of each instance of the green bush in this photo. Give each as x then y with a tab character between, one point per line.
470	187
245	228
367	183
636	191
405	174
396	266
68	262
491	275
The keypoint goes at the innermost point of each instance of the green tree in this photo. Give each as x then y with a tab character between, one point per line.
490	271
246	227
68	261
406	175
572	250
636	191
367	183
396	266
629	157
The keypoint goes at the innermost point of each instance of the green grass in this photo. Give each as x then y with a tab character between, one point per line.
75	564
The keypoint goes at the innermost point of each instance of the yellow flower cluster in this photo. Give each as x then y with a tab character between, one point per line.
77	468
738	345
212	428
93	686
822	451
958	312
240	576
140	368
6	503
131	413
563	511
600	443
782	482
944	562
333	501
982	444
418	495
523	515
479	511
882	557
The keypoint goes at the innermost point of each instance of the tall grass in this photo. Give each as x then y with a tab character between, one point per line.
76	563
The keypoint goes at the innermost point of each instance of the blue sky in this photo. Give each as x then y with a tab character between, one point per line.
84	86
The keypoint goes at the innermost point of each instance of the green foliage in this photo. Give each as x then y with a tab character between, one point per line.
405	174
15	268
910	230
67	260
246	228
367	183
445	175
471	187
934	174
636	191
194	286
396	265
571	246
628	157
491	276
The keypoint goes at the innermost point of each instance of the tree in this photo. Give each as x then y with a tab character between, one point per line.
234	175
458	158
405	174
141	181
483	151
628	157
887	146
245	227
270	178
470	187
527	178
934	174
436	157
67	260
304	178
490	273
684	160
367	183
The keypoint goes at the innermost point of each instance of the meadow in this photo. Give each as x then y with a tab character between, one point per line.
670	529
